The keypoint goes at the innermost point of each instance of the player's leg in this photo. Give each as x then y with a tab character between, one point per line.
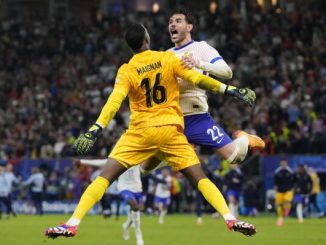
182	157
214	197
126	225
117	199
150	164
298	202
165	203
10	205
232	202
106	207
279	202
288	197
203	130
135	215
158	204
6	203
315	205
127	196
93	193
127	152
135	202
199	211
137	207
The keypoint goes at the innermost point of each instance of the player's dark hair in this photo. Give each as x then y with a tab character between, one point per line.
189	16
135	36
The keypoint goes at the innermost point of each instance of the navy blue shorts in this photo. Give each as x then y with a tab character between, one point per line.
233	193
299	198
164	200
128	195
202	130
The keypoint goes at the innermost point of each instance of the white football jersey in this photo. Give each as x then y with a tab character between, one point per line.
193	100
131	180
163	190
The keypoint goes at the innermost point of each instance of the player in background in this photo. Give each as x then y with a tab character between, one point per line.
131	190
314	192
302	189
12	180
155	129
4	190
250	198
234	183
200	127
162	198
283	185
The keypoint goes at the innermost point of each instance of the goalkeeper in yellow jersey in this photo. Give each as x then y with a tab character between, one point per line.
155	129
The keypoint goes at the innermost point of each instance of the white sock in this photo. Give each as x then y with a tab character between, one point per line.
299	211
229	216
236	210
73	222
162	214
128	221
135	215
232	207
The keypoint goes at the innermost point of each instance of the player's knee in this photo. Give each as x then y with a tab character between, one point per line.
239	153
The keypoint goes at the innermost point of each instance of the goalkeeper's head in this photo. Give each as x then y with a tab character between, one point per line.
137	38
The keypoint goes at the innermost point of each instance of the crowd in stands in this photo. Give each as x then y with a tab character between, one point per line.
56	75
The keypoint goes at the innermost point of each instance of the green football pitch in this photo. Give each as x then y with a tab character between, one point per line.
177	230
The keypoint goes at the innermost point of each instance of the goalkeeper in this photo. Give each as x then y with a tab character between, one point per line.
155	129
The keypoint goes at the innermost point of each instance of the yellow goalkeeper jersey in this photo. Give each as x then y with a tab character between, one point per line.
149	79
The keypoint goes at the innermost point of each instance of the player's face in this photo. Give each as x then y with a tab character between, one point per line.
179	29
165	172
283	163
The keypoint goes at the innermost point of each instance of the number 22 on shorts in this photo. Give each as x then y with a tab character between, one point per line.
216	134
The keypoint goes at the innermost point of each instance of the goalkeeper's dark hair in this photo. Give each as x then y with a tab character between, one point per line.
190	18
135	36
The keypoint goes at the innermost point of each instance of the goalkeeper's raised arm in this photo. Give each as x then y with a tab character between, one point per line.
86	141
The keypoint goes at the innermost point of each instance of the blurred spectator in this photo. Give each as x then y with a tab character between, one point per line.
36	183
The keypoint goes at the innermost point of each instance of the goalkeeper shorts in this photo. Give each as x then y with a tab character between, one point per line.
167	143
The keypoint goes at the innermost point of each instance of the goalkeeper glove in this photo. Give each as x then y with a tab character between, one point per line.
245	94
85	142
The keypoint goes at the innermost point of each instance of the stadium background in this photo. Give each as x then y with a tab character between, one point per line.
58	61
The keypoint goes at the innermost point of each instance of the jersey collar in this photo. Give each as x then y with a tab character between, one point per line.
185	45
